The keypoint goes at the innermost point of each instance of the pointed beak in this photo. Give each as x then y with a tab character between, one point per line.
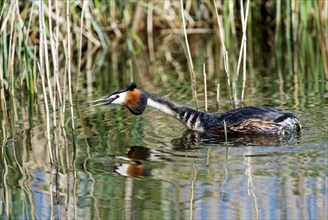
103	101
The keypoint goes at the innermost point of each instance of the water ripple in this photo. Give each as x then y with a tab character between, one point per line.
163	133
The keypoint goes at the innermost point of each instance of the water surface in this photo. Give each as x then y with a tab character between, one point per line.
150	166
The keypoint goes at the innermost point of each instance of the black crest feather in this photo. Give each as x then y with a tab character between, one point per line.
130	87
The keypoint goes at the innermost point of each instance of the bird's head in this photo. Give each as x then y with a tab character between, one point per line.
131	97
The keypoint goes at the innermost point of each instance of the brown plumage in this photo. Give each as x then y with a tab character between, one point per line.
253	124
132	99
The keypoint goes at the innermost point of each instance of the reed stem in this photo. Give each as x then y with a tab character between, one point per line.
244	24
242	52
68	60
278	21
41	71
205	86
218	97
85	2
51	37
150	31
225	131
54	48
11	57
225	52
45	99
191	65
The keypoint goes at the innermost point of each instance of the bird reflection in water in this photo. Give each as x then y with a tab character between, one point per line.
136	155
194	140
191	140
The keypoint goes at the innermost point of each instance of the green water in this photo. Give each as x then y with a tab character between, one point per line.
119	166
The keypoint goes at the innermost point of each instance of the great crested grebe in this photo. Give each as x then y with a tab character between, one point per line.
248	120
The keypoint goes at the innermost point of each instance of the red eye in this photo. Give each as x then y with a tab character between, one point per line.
117	96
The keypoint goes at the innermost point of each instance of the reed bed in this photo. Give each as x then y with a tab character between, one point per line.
45	45
54	37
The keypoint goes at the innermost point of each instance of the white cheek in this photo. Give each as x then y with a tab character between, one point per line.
120	100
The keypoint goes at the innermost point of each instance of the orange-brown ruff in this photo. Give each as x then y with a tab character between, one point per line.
248	120
133	99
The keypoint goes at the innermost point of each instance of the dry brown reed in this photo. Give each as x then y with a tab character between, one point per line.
11	57
68	62
224	50
191	65
49	147
205	86
242	53
42	49
244	28
225	131
218	97
150	32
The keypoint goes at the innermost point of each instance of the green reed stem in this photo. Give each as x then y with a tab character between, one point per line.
288	27
278	20
2	96
28	71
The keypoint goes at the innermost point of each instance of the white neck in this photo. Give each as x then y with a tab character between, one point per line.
159	106
189	117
